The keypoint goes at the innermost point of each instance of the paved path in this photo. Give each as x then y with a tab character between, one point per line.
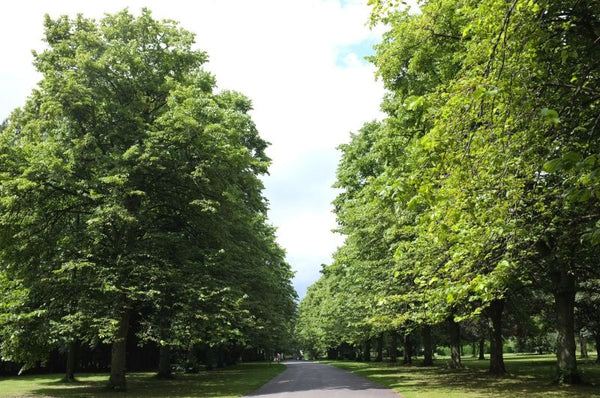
314	380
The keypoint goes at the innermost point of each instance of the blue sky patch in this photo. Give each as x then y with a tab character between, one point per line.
361	49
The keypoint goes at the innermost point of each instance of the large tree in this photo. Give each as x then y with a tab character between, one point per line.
131	186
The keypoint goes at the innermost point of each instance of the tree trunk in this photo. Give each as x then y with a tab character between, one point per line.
394	346
597	339
367	351
427	346
564	298
454	332
71	361
118	354
583	345
164	362
496	355
379	348
407	349
481	349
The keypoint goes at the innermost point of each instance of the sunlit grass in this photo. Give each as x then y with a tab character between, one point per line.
529	376
234	381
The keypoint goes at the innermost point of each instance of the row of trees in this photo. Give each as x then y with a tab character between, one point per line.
129	188
480	188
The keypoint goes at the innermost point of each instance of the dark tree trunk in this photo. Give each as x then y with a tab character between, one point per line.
394	346
481	349
564	298
583	345
496	355
192	362
407	349
221	356
164	362
332	353
367	351
454	332
597	339
119	354
71	361
427	346
379	348
474	350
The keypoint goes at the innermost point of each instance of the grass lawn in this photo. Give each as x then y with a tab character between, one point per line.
529	376
233	381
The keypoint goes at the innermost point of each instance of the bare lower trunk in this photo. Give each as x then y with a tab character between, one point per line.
454	331
583	345
564	298
379	348
164	363
394	347
496	356
481	349
427	346
597	339
71	361
407	349
367	351
119	354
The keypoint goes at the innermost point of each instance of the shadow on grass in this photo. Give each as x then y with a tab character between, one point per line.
229	382
528	377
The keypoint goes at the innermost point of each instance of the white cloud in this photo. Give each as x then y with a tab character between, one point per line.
283	55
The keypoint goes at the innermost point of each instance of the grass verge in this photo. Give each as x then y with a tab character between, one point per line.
233	381
529	376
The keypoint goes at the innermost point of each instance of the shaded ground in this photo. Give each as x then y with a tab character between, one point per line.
229	382
315	380
529	376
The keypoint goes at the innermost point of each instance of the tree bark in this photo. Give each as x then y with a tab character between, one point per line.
367	351
118	358
454	332
379	348
564	298
71	361
394	346
164	362
496	355
427	346
583	345
597	339
481	349
407	349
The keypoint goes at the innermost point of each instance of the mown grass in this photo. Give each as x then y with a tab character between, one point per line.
234	381
529	376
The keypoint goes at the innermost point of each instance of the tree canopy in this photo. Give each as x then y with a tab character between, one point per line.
481	180
129	187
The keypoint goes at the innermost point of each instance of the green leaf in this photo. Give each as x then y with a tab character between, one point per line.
552	165
550	116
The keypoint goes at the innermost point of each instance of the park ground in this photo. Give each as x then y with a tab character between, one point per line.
528	376
230	382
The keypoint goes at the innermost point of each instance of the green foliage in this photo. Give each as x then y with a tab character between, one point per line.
483	177
128	184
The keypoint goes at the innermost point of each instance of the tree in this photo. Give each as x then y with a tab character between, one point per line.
133	187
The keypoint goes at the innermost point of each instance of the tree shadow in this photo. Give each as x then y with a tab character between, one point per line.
217	383
526	379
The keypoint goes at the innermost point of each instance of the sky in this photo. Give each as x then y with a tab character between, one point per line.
300	62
